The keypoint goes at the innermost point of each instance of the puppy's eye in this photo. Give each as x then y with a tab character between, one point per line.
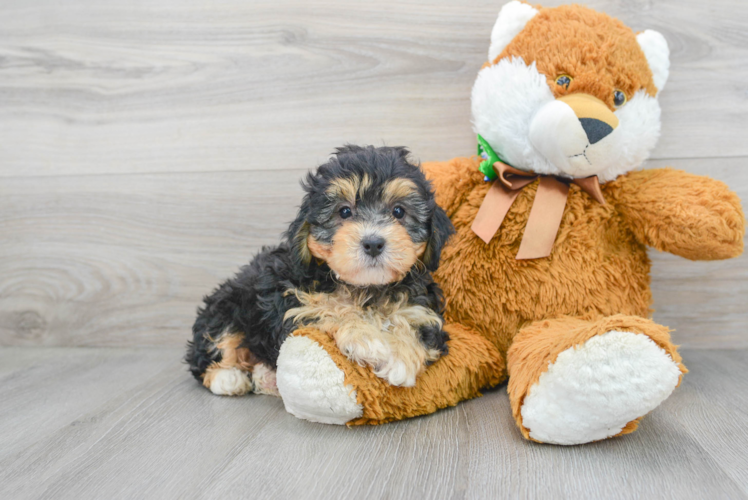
398	212
563	81
619	98
345	212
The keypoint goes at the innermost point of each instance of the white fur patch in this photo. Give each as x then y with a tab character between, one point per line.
230	382
508	97
593	390
311	384
263	380
655	49
557	134
512	19
630	144
505	98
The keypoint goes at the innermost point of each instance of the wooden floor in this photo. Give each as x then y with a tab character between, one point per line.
131	423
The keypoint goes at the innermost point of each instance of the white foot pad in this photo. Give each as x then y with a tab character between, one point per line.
593	390
311	384
230	382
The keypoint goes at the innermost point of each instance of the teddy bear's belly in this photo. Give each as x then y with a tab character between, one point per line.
596	269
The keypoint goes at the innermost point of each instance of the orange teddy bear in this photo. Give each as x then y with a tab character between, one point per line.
547	278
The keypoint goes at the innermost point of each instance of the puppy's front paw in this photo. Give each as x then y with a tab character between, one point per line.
399	372
397	364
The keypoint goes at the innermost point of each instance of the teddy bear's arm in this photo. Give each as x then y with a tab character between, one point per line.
693	216
452	181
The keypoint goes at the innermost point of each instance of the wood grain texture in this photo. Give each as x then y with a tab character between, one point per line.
99	87
123	260
148	150
161	435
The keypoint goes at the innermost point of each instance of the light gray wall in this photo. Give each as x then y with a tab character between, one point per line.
147	150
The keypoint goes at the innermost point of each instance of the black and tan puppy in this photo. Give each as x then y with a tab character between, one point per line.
355	263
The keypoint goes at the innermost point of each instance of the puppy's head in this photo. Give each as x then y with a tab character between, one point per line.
370	215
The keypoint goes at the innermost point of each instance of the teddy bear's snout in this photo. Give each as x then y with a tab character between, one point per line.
596	119
569	133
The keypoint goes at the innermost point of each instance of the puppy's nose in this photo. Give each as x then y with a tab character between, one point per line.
373	245
596	130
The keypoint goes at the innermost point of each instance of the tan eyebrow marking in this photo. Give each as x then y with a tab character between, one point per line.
397	189
364	185
345	188
348	187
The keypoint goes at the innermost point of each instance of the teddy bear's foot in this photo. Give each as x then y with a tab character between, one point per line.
602	382
593	390
319	383
312	386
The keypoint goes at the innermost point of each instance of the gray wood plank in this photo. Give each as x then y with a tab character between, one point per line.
166	437
124	260
714	422
99	87
44	389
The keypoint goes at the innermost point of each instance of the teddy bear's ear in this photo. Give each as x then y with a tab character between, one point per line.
512	19
656	51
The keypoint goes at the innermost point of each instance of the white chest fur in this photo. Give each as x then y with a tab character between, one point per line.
383	334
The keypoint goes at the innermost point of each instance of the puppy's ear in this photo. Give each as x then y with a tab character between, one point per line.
402	151
297	237
441	230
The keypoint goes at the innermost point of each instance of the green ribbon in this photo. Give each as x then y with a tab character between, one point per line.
490	157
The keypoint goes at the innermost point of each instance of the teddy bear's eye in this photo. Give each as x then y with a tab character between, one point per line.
619	98
564	81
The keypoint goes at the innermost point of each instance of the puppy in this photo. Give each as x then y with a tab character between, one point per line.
355	264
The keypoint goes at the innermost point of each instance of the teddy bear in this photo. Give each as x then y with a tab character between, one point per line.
546	280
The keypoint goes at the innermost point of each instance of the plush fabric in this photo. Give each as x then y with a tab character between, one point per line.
573	328
472	364
600	55
599	264
538	345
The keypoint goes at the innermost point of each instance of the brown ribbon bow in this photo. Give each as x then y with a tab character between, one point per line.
545	215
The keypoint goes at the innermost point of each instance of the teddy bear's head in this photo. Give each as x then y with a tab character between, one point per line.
569	91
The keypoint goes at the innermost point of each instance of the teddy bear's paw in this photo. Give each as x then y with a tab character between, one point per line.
227	381
312	386
594	389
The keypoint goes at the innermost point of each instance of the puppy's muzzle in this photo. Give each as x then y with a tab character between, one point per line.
373	245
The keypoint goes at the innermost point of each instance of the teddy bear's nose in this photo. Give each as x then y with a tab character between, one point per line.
596	130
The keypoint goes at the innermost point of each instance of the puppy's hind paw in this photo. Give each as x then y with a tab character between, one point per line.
227	381
264	381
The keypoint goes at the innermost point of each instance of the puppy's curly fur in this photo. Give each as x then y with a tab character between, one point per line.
356	263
